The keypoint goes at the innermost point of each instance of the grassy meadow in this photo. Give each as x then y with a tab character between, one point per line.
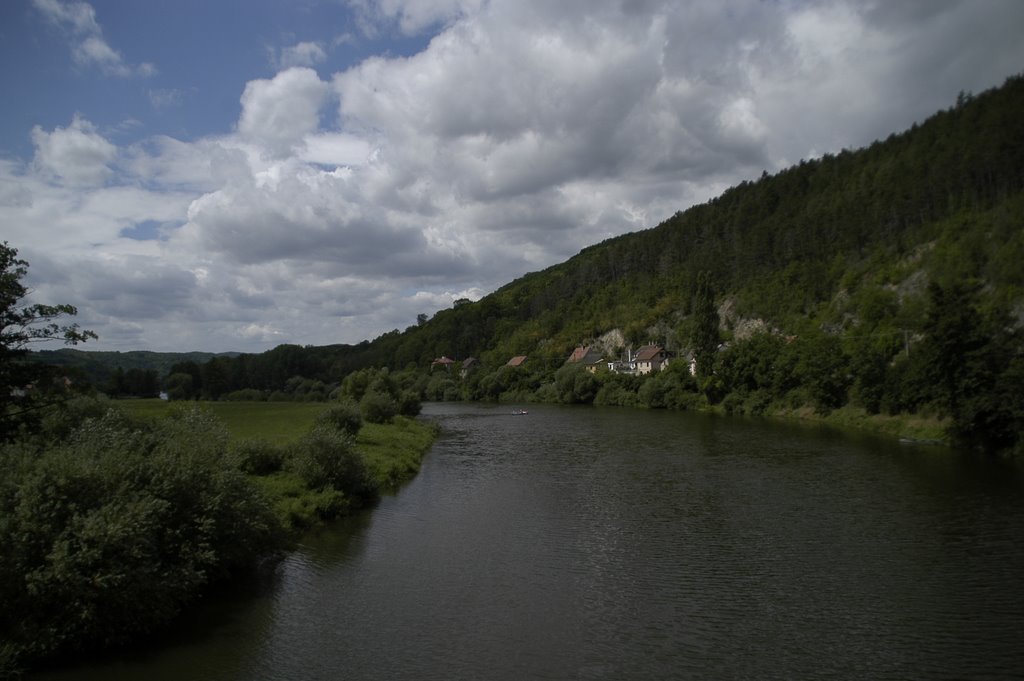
275	422
392	452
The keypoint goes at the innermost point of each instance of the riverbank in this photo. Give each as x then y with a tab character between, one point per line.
903	427
118	520
391	455
266	432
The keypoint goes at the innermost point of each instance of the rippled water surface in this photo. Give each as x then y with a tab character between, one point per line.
626	544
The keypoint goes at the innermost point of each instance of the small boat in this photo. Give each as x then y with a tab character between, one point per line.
519	412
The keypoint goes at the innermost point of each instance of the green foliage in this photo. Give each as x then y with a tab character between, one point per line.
296	505
344	416
408	403
869	364
705	338
755	364
975	362
327	457
378	406
107	535
575	385
380	394
245	395
181	386
133	383
25	386
258	457
393	452
60	421
618	390
823	369
110	524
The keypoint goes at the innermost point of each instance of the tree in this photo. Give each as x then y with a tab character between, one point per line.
26	386
824	368
976	363
705	338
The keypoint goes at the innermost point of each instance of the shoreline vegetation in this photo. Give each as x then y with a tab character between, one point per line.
907	428
261	435
116	517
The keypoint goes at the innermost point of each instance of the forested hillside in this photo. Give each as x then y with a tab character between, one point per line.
808	246
889	278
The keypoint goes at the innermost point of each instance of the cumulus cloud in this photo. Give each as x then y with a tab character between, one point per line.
525	131
278	113
334	149
76	154
88	47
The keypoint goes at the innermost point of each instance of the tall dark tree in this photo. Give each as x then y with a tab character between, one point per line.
977	363
705	337
25	386
955	337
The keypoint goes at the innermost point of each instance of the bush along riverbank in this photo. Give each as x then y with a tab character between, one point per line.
111	525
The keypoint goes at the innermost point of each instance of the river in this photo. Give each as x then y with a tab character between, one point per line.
587	543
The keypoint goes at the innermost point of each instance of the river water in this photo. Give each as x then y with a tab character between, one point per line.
585	543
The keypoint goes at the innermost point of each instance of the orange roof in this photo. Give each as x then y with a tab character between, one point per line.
516	361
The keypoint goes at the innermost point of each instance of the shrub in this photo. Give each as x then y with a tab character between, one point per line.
652	393
58	423
345	416
378	407
409	403
575	385
327	457
258	457
245	395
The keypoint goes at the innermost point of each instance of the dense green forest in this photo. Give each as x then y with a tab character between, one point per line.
137	373
888	279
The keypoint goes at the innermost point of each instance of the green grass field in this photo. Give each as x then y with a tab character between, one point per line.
276	422
392	452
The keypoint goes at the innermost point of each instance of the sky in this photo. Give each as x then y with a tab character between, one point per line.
231	175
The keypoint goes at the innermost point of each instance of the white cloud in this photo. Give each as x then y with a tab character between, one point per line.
76	154
334	149
88	47
301	54
278	113
525	131
79	17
